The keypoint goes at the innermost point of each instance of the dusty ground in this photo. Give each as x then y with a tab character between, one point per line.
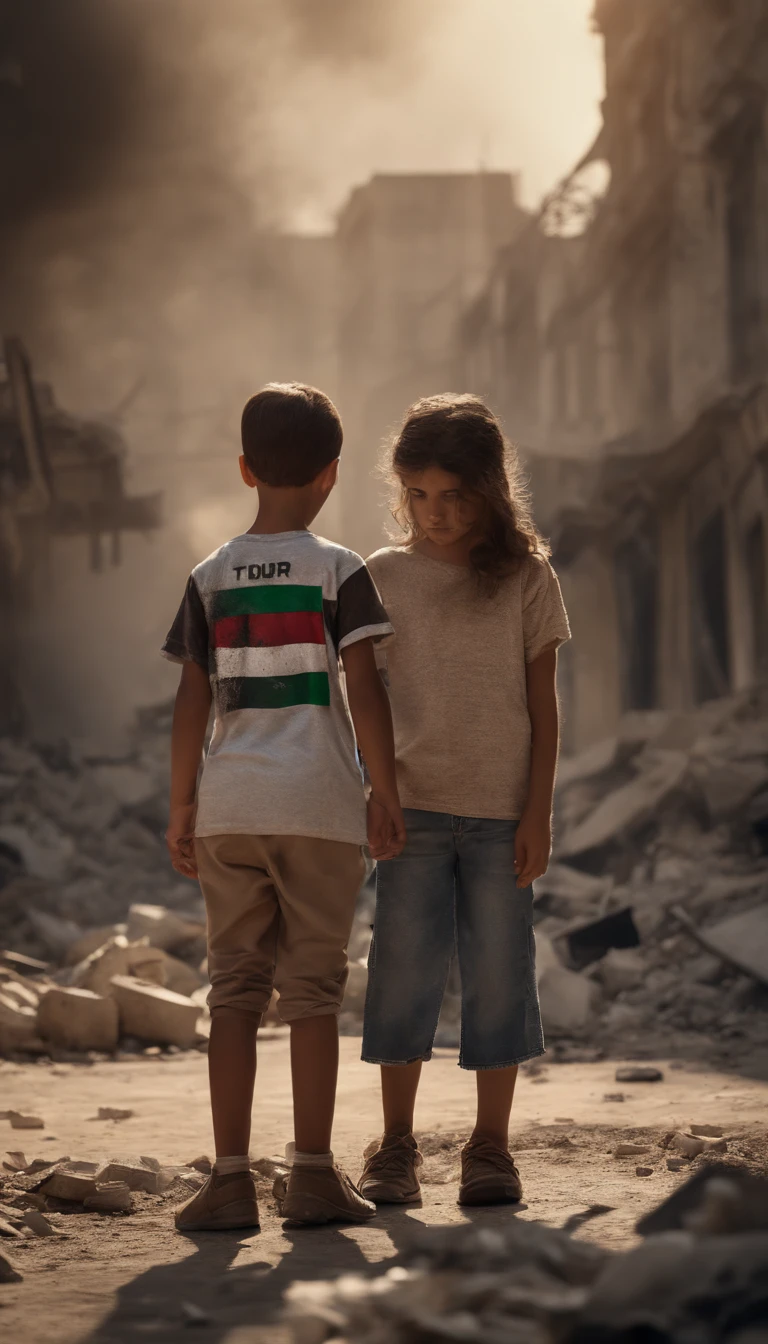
115	1279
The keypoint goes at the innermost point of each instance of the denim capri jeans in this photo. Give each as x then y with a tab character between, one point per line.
453	885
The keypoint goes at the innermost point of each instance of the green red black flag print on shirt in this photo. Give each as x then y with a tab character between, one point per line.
269	646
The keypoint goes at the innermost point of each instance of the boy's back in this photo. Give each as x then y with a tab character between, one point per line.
267	617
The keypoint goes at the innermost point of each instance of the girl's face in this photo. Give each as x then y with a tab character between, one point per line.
442	508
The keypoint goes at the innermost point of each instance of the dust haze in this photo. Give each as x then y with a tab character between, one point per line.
149	150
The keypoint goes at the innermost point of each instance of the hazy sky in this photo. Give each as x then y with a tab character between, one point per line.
497	83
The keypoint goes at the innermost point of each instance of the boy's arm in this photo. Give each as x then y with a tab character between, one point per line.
534	834
372	718
190	722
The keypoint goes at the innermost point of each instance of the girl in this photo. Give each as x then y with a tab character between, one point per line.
478	617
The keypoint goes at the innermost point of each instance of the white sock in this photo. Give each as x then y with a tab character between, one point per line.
296	1159
227	1166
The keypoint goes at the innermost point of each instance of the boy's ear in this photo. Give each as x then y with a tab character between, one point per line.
329	475
246	473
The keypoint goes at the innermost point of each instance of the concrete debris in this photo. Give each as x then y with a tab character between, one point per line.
132	1172
699	1275
8	1271
67	1183
162	928
39	1224
18	1028
114	1113
26	965
707	1131
14	1161
19	1121
151	1013
639	1073
631	1149
675	1164
741	940
591	941
8	1229
119	957
78	1019
110	1197
630	807
567	1001
89	942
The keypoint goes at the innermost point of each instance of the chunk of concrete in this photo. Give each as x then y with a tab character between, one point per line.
90	942
177	975
741	940
78	1019
132	1172
20	1121
631	1149
8	1271
68	1184
18	1028
164	928
638	1073
118	957
38	1223
625	809
110	1197
151	1013
113	1113
621	969
567	1000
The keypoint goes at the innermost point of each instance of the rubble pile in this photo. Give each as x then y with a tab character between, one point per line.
101	943
699	1275
652	926
38	1197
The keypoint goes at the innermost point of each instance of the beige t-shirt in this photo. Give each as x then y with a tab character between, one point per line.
456	678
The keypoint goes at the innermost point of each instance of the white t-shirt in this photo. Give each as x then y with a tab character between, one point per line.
456	674
267	617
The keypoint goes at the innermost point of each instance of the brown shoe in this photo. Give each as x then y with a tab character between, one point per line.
320	1195
223	1203
389	1175
488	1174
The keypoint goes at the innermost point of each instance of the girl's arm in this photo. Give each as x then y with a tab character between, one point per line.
533	842
190	721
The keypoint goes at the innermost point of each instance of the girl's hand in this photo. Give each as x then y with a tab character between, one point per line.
180	839
386	829
533	846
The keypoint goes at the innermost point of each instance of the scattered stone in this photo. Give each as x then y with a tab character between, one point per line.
110	1197
14	1161
202	1164
675	1164
638	1073
154	1014
564	1120
132	1172
39	1224
113	1113
68	1184
621	969
18	1028
687	1145
26	965
731	1200
8	1230
8	1271
83	948
119	957
567	1000
163	928
631	1149
78	1019
19	1121
614	1096
643	1171
707	1131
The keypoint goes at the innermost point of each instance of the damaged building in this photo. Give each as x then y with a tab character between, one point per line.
59	476
624	339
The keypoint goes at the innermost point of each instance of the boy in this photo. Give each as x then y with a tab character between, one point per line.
276	827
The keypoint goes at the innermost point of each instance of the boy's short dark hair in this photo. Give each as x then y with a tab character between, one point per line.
289	433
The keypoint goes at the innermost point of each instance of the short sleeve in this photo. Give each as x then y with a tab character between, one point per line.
360	612
545	623
187	640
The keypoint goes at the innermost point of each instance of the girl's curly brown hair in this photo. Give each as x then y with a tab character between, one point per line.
459	434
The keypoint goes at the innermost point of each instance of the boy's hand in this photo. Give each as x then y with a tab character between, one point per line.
386	829
533	846
180	839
